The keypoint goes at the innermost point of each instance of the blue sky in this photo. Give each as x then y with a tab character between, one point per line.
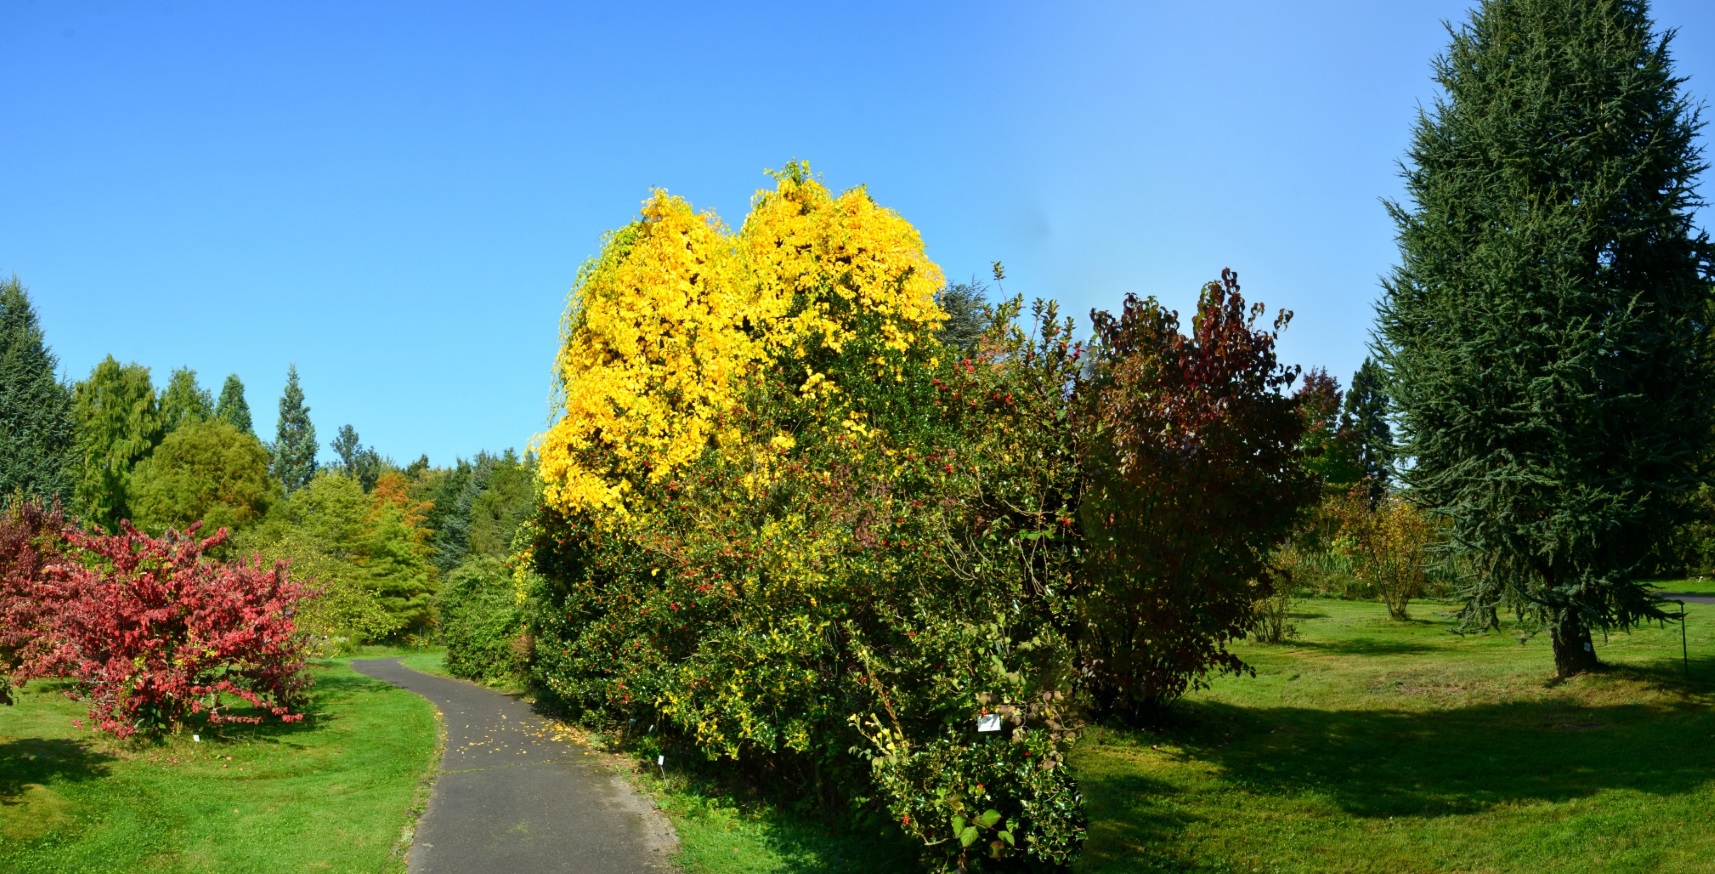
397	197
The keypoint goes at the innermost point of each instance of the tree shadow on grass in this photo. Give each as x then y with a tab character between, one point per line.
1381	763
1695	675
1367	646
45	761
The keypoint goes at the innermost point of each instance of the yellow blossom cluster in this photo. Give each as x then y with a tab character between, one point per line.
668	325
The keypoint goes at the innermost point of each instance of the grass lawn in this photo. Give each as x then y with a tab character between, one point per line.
332	793
1697	586
1369	745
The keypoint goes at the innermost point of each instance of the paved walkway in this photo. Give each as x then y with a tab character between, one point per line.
1688	597
511	799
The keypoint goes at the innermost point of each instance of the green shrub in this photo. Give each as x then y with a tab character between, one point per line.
981	803
482	622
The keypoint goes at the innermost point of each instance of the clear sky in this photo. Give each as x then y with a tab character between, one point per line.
397	197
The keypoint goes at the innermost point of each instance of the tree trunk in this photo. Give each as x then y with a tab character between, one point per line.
1574	651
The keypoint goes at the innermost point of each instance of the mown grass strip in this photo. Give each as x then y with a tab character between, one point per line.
332	793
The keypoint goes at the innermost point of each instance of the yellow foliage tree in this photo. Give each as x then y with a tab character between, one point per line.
677	317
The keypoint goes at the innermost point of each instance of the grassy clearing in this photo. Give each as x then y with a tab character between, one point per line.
1369	745
333	793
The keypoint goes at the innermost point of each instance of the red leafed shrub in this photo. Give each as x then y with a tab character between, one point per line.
29	541
152	632
1195	477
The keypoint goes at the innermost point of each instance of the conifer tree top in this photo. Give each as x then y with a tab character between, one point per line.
295	444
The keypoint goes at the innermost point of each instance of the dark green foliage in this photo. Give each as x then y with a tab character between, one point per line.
496	513
232	406
206	471
477	506
184	401
973	803
1545	331
966	320
295	446
1365	419
482	621
38	440
356	460
118	425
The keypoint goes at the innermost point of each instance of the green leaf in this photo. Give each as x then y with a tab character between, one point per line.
1007	836
958	824
968	836
989	818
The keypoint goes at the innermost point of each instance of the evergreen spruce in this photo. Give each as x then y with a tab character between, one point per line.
38	441
295	444
1365	419
966	319
232	406
355	459
1545	331
184	401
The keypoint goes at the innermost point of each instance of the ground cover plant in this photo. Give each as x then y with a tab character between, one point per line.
334	792
1370	744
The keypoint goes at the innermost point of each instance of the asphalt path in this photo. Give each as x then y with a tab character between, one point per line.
511	798
1687	597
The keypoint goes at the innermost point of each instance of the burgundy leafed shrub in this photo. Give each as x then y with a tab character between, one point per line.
1196	476
29	540
152	632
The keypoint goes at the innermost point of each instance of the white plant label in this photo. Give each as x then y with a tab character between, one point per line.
196	739
988	722
660	761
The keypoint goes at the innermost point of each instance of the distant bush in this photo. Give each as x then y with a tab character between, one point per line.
1274	614
482	622
1388	545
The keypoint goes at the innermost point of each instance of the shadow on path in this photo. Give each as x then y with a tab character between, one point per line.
512	799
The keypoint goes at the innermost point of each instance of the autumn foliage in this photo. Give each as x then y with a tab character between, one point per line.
149	630
1195	478
29	543
802	539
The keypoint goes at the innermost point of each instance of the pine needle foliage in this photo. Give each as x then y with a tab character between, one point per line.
1546	329
37	437
295	443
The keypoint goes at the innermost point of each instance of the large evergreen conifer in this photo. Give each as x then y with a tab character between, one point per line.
295	444
38	450
1545	331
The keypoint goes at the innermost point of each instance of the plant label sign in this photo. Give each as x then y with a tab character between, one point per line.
988	722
